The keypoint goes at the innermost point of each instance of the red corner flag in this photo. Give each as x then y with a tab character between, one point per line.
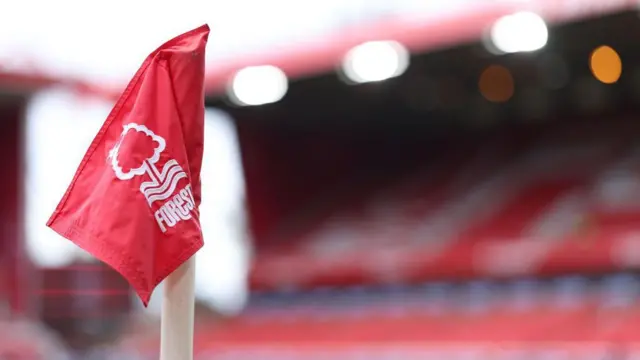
133	202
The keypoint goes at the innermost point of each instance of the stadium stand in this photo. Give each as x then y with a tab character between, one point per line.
524	205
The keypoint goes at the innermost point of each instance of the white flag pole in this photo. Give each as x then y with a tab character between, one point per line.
178	302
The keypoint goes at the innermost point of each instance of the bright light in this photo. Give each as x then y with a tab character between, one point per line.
519	32
258	85
605	64
375	61
222	264
59	129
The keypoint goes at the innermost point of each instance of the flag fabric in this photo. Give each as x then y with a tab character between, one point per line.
134	200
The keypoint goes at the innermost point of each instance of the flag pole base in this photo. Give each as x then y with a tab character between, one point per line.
178	302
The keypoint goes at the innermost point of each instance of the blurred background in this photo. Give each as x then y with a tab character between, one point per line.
404	179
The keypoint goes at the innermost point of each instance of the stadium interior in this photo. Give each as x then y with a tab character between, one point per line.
476	206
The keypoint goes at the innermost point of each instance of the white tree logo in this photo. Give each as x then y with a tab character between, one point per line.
136	153
147	165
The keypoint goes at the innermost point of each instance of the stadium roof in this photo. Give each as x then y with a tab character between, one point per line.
324	52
